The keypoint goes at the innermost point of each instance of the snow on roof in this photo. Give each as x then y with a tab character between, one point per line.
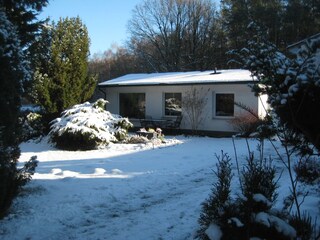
181	78
304	41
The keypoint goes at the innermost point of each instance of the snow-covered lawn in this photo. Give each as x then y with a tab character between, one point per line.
125	191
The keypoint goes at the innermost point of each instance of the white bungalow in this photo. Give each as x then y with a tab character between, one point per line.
164	95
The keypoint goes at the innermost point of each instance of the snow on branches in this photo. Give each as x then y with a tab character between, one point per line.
292	83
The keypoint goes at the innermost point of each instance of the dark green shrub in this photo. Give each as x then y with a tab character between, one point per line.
218	208
32	125
259	177
76	140
308	170
250	215
303	226
11	180
122	126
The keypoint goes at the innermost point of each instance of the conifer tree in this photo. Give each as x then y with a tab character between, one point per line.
18	25
61	73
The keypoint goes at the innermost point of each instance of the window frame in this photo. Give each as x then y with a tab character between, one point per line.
143	112
215	105
164	104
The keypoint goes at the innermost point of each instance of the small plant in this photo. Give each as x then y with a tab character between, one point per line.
248	216
194	102
151	130
245	124
26	172
217	209
32	126
308	170
259	177
137	139
122	127
303	225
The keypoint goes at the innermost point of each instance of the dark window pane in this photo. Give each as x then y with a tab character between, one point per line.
132	105
224	105
172	104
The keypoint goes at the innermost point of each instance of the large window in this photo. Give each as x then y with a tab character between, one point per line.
172	104
224	105
132	105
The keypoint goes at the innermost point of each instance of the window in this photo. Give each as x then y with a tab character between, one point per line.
172	104
224	105
132	105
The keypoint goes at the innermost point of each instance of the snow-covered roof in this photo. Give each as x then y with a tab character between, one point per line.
181	78
294	48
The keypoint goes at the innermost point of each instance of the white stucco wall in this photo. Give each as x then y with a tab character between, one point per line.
155	103
263	106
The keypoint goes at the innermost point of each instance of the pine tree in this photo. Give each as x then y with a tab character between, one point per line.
61	74
292	84
16	31
238	14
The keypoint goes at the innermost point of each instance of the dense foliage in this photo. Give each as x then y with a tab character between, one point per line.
18	26
88	126
292	84
61	77
308	170
249	215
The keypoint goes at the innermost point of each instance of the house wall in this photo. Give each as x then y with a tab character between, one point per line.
263	106
155	103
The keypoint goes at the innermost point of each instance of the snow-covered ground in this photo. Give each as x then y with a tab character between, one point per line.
125	191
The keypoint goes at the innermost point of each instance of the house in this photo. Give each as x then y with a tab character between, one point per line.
162	95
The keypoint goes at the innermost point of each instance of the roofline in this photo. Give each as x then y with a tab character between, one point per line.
176	84
303	41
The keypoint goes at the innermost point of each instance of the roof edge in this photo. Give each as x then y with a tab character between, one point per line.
177	84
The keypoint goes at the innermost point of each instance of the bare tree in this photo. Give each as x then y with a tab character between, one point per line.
173	35
193	104
113	63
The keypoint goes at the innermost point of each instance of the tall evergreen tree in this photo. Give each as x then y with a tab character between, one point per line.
61	70
238	14
283	21
301	20
18	25
292	84
23	14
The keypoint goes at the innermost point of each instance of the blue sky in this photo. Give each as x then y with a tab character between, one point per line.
106	20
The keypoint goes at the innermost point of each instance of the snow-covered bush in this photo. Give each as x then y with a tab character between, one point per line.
87	126
259	177
250	215
32	126
292	84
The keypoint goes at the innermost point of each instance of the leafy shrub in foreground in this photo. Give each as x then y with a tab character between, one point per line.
11	180
87	126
